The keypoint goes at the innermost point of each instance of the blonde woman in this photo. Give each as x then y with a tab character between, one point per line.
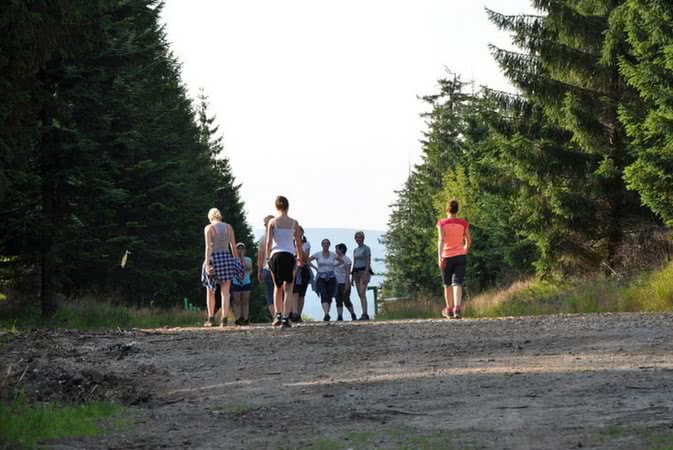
220	265
362	263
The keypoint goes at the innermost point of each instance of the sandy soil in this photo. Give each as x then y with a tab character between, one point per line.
583	381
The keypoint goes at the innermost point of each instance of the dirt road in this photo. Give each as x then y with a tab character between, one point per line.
585	381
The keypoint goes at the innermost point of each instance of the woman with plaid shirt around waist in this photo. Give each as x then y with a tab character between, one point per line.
219	265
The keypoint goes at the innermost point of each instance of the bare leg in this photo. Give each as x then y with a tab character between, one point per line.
458	295
245	305
210	302
225	299
277	297
236	304
448	296
289	299
362	292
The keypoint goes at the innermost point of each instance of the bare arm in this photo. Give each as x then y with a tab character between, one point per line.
209	243
468	240
232	241
298	243
440	241
269	237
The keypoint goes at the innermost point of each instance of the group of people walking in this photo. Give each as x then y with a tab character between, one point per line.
286	269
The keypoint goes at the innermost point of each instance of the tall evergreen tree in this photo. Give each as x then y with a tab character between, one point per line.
102	153
647	28
566	145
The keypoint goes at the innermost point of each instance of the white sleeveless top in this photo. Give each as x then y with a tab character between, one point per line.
283	240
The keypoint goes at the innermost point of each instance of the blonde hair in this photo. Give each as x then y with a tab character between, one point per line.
214	213
266	219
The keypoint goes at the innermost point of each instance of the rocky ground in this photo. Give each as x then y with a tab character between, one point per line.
581	381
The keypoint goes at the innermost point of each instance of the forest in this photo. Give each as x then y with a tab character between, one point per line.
103	154
569	177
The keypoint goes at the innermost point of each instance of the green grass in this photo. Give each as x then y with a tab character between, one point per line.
23	425
88	313
662	443
419	308
649	292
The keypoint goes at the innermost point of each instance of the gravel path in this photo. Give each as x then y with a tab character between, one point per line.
580	381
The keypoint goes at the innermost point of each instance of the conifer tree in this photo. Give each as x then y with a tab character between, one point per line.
566	145
647	28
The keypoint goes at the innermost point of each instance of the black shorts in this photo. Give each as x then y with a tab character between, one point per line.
300	288
454	270
281	265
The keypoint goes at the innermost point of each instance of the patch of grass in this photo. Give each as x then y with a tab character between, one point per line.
422	307
23	425
324	443
89	313
649	292
235	408
662	443
360	438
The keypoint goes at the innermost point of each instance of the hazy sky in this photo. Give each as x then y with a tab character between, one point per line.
317	100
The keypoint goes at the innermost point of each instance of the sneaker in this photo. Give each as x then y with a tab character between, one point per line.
456	314
277	321
326	318
285	323
245	322
223	322
340	318
447	313
364	317
353	316
210	322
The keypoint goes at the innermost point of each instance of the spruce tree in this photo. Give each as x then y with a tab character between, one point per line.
566	145
647	28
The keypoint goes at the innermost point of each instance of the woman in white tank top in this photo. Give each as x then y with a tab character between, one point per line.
283	241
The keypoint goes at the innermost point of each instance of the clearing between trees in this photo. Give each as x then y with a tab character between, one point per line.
575	381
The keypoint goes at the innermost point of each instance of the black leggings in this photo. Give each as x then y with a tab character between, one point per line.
326	289
343	296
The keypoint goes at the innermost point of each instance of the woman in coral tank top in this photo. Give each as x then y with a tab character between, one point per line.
452	247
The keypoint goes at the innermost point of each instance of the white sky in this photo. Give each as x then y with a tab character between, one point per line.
317	100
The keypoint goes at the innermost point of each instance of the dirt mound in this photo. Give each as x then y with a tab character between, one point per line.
43	383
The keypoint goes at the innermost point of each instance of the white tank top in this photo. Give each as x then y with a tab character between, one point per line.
283	240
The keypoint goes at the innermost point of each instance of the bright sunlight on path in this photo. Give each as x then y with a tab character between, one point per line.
597	381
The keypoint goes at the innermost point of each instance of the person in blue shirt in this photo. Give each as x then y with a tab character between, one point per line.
241	288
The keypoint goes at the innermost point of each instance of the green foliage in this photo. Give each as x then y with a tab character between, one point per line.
647	28
563	150
23	425
103	152
456	163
